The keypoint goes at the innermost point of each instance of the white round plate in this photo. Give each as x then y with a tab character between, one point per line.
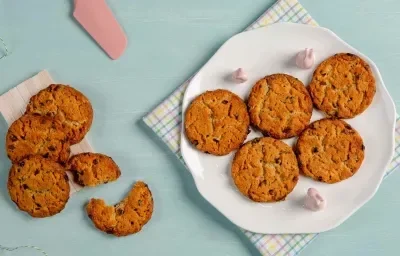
271	50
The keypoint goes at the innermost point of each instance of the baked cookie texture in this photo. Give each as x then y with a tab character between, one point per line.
330	150
280	106
38	186
265	170
37	135
92	169
217	122
343	86
67	105
125	218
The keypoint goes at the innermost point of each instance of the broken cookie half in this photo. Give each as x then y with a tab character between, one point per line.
125	218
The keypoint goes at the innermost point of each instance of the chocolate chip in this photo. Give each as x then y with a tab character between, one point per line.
95	161
109	231
362	147
207	152
287	130
278	160
216	140
25	186
236	116
224	102
120	211
271	192
132	222
350	54
38	205
320	178
22	163
46	155
36	172
11	147
315	150
52	148
13	138
90	216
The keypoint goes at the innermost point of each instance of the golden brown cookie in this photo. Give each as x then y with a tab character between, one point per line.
125	218
217	122
38	186
343	86
66	104
92	169
37	135
330	150
265	170
280	106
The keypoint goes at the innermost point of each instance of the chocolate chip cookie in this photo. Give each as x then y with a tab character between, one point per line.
330	150
92	169
265	170
280	106
37	135
217	122
38	186
343	86
67	105
125	218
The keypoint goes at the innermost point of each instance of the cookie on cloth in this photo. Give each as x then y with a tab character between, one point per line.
217	122
38	186
92	169
37	135
125	218
280	106
67	105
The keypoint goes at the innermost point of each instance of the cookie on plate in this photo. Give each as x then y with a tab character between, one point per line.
265	170
343	86
37	135
330	150
125	218
92	169
66	104
38	186
280	106
217	122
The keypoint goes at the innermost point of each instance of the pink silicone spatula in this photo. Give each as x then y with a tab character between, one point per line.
98	20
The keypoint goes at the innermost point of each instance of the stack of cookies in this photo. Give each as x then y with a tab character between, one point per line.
38	145
280	107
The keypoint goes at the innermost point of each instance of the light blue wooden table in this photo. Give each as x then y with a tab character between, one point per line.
168	41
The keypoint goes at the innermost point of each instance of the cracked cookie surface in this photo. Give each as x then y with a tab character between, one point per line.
125	218
37	135
330	150
343	86
67	105
92	169
38	186
217	122
280	106
265	170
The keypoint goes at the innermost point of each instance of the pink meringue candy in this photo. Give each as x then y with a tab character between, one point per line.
305	59
239	76
314	201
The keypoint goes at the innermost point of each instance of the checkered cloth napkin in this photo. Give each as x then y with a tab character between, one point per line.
165	120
